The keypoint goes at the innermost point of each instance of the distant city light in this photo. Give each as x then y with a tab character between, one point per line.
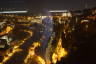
58	11
67	14
14	12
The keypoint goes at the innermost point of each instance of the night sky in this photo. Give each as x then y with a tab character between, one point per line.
48	4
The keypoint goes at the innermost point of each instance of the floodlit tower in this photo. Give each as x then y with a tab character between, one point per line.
85	3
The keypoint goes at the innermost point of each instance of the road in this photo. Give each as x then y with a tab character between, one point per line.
38	32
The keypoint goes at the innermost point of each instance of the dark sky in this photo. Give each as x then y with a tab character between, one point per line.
48	4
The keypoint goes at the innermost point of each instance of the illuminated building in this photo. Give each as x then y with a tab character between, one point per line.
64	13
